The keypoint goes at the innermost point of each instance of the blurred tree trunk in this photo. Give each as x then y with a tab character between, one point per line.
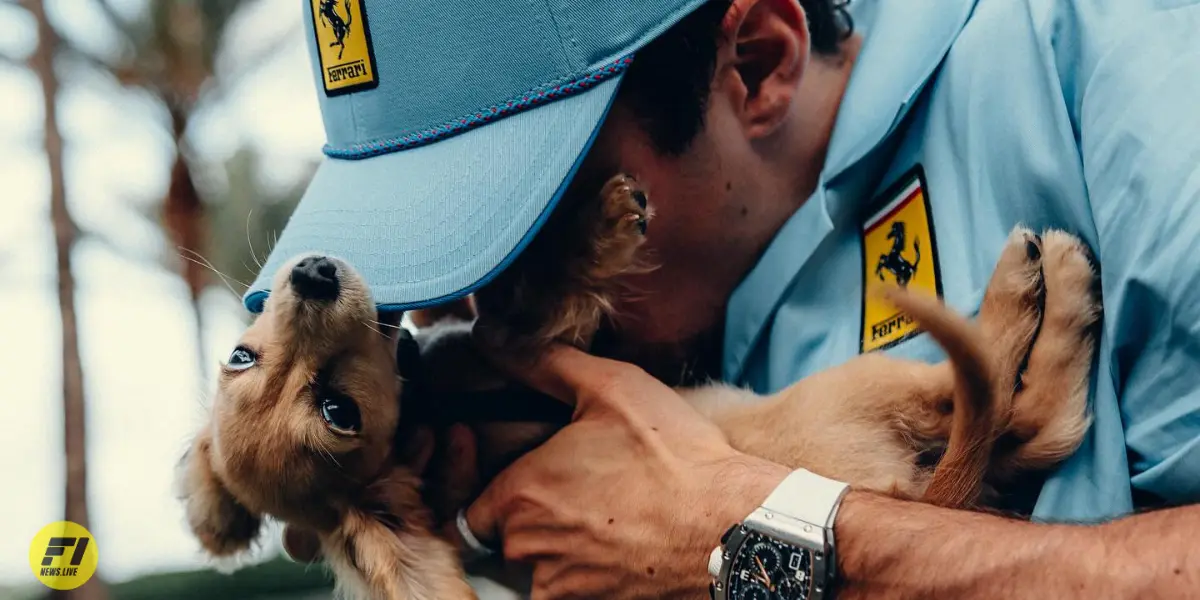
187	224
74	411
170	51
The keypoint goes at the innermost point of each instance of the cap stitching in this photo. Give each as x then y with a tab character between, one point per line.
558	30
519	103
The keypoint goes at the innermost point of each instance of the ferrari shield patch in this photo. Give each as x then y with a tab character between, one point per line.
344	46
899	248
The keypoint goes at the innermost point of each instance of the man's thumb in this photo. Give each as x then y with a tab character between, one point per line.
563	372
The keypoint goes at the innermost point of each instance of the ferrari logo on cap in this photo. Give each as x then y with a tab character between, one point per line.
347	59
898	249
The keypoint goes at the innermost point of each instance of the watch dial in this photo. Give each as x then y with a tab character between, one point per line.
765	569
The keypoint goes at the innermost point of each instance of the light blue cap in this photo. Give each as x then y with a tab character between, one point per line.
452	130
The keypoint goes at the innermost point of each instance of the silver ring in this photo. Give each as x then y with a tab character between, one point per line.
477	548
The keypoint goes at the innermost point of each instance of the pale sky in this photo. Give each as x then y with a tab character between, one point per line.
145	397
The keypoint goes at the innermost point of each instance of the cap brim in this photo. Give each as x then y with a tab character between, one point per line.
436	222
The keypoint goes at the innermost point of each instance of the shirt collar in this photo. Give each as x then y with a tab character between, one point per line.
903	45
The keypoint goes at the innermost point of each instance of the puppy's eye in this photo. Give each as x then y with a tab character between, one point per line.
241	359
341	413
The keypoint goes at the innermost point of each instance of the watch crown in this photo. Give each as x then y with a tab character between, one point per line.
714	562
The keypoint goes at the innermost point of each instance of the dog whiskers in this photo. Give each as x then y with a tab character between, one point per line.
204	262
331	458
368	326
250	243
320	446
388	325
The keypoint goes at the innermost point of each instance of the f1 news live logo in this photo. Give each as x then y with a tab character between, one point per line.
63	555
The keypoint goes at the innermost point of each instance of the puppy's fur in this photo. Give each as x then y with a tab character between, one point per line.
1018	375
268	450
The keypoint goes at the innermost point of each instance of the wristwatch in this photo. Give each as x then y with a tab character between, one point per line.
784	550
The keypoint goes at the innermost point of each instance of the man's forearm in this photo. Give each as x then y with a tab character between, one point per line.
889	548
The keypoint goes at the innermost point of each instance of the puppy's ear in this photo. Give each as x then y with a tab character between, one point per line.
224	527
386	548
408	356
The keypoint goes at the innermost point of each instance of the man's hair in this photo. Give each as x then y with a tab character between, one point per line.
669	82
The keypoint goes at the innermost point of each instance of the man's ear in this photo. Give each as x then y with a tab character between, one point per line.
765	54
224	527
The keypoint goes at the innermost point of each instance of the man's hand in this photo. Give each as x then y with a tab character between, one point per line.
629	499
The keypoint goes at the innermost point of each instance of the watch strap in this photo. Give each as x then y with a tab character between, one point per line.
806	496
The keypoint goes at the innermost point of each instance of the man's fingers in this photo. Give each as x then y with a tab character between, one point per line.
301	545
463	475
418	449
486	516
483	515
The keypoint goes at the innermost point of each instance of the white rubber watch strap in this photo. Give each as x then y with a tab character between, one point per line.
807	496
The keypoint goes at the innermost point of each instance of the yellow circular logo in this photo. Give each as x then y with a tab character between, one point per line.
63	555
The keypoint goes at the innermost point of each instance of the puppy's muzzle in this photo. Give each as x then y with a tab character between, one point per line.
315	278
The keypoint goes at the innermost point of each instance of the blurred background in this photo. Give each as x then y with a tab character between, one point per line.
145	146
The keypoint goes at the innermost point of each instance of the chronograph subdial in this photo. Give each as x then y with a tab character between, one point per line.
754	591
766	557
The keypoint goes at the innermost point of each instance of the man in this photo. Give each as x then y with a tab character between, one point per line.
774	139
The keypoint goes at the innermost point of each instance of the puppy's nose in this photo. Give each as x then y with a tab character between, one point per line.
315	278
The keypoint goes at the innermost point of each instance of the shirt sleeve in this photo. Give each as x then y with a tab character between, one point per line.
1138	119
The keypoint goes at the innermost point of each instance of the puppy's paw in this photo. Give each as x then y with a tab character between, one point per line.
1072	285
1049	414
625	214
1011	313
626	199
564	290
224	527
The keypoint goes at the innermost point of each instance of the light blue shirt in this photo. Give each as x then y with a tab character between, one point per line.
1075	114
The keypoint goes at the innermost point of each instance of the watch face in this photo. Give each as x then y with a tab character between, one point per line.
765	569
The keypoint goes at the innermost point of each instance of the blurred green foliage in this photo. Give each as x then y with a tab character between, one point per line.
276	579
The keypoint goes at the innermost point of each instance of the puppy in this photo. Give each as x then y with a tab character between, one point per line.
303	428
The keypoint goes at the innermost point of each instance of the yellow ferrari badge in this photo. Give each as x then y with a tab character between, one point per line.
344	46
898	248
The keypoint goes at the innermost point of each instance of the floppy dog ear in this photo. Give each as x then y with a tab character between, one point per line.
386	547
224	527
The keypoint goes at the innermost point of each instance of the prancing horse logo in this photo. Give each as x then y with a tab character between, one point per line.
894	260
340	26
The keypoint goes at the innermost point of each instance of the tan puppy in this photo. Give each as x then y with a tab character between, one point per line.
866	422
302	429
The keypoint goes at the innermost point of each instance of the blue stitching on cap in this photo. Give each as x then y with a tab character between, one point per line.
518	104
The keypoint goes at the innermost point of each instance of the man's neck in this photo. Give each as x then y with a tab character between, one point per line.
813	117
788	173
682	354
